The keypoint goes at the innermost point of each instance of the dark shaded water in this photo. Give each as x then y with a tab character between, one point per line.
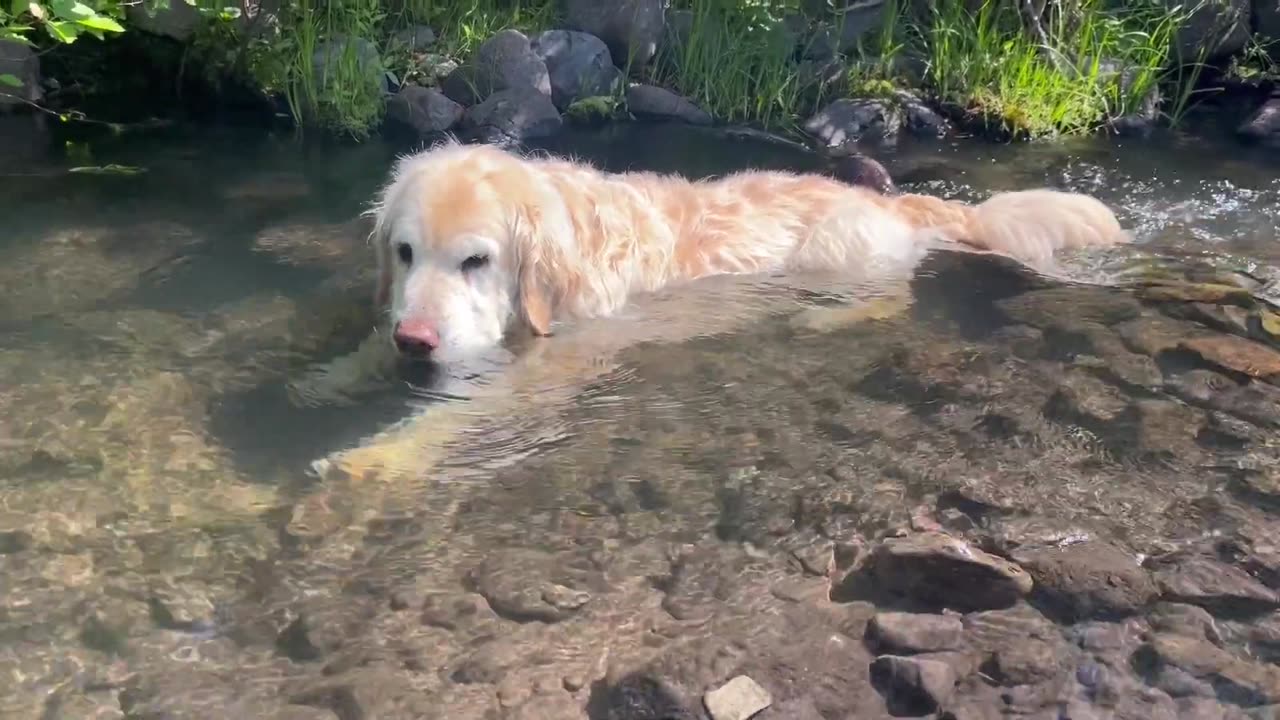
631	521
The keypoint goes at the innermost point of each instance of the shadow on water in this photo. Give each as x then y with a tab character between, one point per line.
643	518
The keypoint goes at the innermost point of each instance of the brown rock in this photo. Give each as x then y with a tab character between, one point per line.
1215	586
938	569
1236	353
1088	580
898	632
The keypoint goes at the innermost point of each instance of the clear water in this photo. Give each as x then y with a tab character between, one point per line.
162	522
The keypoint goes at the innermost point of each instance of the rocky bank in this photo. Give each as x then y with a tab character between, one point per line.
516	87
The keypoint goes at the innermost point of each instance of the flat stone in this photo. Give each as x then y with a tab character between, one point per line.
899	632
1236	353
938	569
1089	580
738	699
650	101
1215	586
912	686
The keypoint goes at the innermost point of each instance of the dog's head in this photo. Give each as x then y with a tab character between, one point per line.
461	246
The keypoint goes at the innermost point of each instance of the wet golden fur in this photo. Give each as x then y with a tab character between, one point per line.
565	240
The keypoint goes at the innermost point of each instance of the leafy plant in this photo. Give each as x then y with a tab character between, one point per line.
63	20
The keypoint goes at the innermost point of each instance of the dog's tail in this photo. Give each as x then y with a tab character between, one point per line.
1030	226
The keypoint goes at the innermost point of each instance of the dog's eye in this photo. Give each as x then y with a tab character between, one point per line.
475	262
405	252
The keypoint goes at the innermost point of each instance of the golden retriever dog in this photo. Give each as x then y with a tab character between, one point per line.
475	245
473	242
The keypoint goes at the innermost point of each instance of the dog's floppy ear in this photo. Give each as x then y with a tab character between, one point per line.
536	303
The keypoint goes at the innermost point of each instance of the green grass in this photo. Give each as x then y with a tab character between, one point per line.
737	62
740	62
987	63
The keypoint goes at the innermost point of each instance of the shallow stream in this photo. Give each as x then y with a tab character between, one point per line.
758	500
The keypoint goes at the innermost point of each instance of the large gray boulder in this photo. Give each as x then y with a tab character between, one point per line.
1217	29
512	115
505	61
426	110
579	65
631	28
20	62
655	103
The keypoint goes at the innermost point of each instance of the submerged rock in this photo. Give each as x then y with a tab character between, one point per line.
913	686
1088	580
898	632
1215	586
942	571
1238	354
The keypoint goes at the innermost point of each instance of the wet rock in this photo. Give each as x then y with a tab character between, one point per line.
1183	619
1026	663
912	686
738	699
862	171
14	541
1151	334
452	611
1084	400
940	570
1213	30
1158	428
650	101
1236	353
1264	124
505	61
801	708
578	65
425	110
1234	679
1252	401
845	122
1088	580
528	586
631	28
511	116
920	119
490	662
369	692
1215	586
897	632
1043	308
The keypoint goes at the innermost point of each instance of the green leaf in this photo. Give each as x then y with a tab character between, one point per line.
10	80
105	24
62	31
70	9
111	169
